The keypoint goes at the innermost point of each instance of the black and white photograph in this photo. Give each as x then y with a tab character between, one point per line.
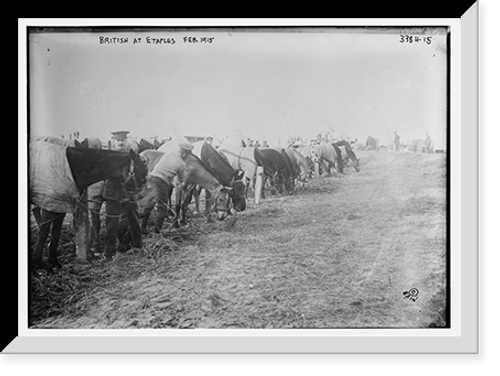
238	177
253	178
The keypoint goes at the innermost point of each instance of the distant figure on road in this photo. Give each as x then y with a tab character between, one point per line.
396	141
427	143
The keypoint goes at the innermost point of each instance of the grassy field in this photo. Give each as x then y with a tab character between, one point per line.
340	253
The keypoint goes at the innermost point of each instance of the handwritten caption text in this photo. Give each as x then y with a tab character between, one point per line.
155	40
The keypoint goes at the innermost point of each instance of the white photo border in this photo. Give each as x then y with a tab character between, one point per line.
462	337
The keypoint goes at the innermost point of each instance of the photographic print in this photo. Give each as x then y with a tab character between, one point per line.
238	177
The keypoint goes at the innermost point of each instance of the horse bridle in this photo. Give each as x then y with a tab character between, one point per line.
131	176
213	202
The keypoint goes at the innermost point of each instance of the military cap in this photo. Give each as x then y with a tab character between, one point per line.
120	134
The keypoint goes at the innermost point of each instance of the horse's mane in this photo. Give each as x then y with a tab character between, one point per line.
213	153
204	165
261	157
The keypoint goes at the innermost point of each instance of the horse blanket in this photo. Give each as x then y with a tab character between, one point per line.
51	183
54	140
240	158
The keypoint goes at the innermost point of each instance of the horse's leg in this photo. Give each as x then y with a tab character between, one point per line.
113	211
178	201
95	225
45	220
208	196
54	239
186	199
339	164
196	195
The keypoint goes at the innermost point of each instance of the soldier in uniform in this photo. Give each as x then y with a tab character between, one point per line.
121	213
396	141
161	183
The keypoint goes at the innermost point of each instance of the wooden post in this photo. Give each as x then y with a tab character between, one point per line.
259	183
82	229
316	169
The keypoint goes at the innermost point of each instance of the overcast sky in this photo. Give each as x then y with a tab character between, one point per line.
270	84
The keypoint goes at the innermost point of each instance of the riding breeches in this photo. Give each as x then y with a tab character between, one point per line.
159	195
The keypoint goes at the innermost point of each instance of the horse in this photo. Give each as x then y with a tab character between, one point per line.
94	191
196	173
228	176
58	175
329	153
241	159
347	154
289	173
276	168
299	163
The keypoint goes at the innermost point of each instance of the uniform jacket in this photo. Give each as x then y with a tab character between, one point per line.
170	166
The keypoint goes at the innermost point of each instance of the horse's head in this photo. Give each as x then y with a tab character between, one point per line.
304	176
237	194
136	174
275	182
220	202
290	185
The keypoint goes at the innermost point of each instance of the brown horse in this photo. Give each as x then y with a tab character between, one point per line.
57	176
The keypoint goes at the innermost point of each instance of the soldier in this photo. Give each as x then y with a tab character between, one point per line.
121	213
427	143
396	141
161	183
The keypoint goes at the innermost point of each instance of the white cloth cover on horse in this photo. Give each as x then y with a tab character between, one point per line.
51	183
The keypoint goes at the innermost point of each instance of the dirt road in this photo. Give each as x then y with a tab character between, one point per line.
347	251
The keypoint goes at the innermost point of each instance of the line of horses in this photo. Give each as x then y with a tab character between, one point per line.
226	173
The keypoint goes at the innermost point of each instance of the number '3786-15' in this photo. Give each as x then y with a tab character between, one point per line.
415	39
